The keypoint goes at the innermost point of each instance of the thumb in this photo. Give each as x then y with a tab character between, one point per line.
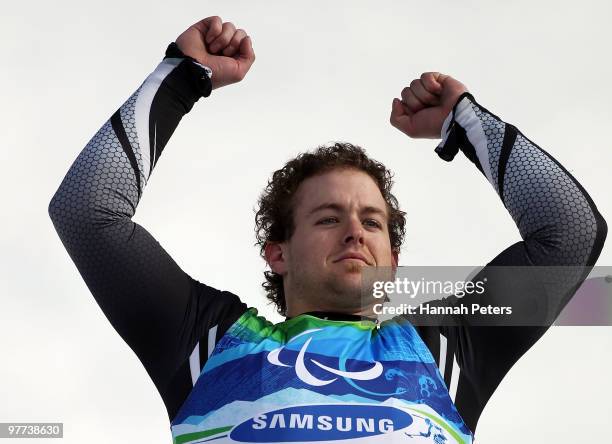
441	78
400	117
246	55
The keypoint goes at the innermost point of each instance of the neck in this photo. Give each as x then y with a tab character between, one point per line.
337	316
297	309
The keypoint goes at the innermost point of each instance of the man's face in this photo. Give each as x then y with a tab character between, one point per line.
340	220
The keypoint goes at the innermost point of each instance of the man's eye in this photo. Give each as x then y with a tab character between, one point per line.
373	223
327	221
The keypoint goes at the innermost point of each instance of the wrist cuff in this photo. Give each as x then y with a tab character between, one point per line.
452	134
197	76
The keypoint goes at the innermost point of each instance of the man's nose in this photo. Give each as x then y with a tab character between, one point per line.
354	232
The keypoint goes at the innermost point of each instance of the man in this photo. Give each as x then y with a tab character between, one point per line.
328	372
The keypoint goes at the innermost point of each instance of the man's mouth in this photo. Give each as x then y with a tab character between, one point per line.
355	257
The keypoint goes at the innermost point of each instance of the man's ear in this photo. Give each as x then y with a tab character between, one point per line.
275	257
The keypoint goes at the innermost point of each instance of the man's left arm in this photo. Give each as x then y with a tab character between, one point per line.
557	220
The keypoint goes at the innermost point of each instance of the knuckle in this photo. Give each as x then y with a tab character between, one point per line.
415	83
427	76
215	31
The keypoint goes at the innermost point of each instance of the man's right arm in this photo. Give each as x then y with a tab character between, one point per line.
161	312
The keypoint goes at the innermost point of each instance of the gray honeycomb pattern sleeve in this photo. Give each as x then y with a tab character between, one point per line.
561	229
556	218
160	311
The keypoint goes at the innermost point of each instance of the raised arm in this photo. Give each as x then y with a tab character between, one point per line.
557	220
160	311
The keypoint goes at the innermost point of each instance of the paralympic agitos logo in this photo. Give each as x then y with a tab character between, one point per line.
305	376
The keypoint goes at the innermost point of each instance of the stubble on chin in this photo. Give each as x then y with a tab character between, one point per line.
345	289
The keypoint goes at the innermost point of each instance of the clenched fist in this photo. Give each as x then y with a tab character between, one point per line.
425	104
220	46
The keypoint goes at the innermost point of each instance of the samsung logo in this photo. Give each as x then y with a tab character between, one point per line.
323	422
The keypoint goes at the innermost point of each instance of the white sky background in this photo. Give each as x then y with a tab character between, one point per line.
324	71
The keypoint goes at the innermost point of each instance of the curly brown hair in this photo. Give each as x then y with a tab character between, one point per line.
274	217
